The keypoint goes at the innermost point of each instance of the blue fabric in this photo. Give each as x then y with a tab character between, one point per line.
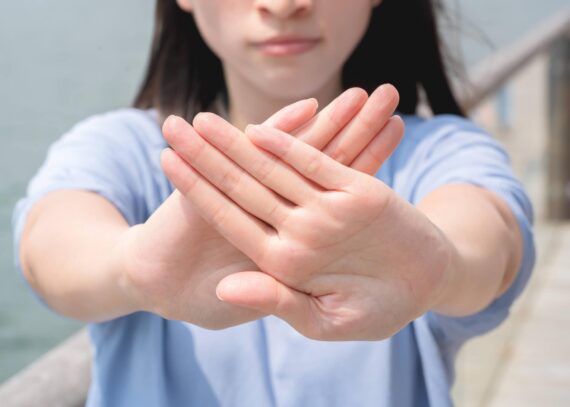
144	360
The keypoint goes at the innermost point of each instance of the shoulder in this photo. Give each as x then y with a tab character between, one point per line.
446	149
138	118
424	131
125	126
444	137
115	154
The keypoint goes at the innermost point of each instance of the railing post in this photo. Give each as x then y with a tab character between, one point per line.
558	185
60	378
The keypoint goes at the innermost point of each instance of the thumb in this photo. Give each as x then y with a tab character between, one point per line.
261	292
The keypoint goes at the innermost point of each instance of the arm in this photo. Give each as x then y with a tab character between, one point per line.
70	255
171	264
345	257
486	246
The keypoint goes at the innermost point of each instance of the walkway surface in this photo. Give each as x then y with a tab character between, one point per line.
526	362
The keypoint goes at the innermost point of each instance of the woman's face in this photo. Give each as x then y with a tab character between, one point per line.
286	48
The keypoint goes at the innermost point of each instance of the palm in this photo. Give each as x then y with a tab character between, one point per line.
335	264
177	262
207	256
339	249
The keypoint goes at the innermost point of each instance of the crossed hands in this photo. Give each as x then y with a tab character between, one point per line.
286	219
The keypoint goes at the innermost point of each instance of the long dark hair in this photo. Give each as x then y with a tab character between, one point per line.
401	47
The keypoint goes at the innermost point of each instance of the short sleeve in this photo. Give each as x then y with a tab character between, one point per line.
448	150
115	155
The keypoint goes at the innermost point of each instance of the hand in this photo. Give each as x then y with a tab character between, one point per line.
342	256
344	129
176	259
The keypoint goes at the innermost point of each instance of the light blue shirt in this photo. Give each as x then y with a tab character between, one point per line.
144	360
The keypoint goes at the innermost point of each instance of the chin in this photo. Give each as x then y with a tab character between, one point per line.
293	87
291	92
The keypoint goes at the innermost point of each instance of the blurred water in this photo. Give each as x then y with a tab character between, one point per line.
60	61
63	61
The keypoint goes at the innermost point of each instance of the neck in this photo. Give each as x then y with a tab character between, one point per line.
249	104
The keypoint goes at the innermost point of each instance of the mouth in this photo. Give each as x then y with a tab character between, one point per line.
286	45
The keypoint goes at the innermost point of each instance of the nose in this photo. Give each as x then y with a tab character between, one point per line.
284	9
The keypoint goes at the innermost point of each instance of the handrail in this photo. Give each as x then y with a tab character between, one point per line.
61	377
488	76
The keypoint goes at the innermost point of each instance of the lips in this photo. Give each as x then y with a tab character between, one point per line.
286	45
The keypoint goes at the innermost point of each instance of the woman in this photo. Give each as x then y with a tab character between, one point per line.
267	239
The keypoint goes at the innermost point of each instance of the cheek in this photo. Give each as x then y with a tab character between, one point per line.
346	28
207	24
185	5
214	23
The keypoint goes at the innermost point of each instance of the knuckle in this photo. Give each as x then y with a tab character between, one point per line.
313	165
340	155
369	120
226	141
229	181
275	214
264	169
337	118
188	182
197	147
219	215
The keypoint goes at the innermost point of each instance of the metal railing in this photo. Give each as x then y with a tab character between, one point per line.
490	74
61	377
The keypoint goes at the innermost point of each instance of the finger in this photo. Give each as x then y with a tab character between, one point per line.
380	148
265	168
331	120
293	116
308	161
350	142
245	232
262	292
224	174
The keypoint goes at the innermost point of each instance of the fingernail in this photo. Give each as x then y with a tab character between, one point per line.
385	88
218	295
387	91
351	95
314	100
252	128
172	123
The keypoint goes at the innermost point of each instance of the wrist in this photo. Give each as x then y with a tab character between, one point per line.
456	295
444	288
124	265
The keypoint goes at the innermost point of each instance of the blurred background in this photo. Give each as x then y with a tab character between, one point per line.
62	61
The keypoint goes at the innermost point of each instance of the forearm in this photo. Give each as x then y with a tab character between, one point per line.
71	255
485	242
